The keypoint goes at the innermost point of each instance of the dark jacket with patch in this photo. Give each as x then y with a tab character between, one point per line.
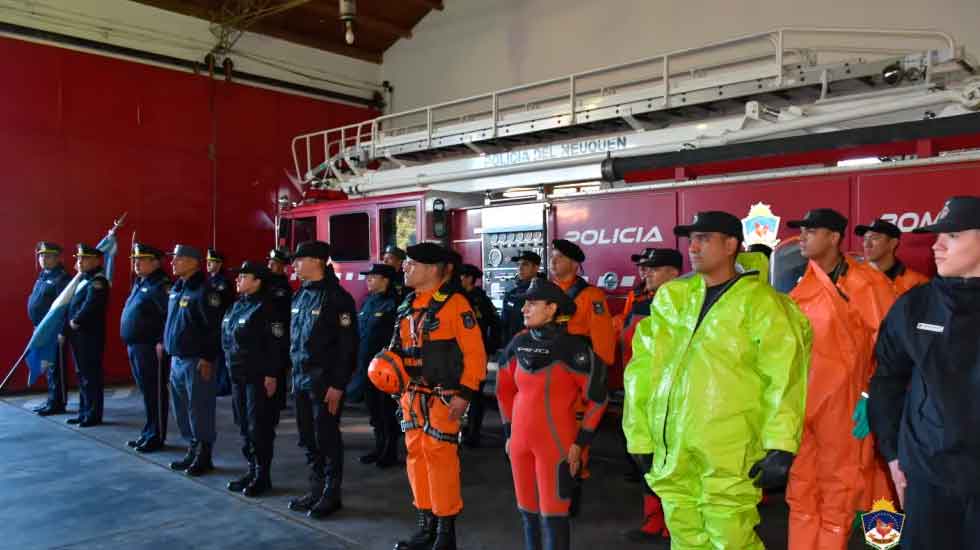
323	335
193	319
375	324
145	311
486	316
49	284
511	317
88	306
252	336
925	394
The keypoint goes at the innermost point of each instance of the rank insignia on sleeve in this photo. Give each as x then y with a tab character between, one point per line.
214	300
278	330
469	321
598	308
345	319
379	314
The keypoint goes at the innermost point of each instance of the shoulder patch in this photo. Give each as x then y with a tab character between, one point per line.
598	307
345	319
278	329
469	321
214	300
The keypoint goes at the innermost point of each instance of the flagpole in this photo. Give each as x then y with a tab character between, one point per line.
13	369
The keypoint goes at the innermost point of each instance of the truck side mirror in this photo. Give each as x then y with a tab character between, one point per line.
440	219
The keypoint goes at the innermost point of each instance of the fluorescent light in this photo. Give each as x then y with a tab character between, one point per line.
866	161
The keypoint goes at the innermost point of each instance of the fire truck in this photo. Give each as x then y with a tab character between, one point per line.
870	122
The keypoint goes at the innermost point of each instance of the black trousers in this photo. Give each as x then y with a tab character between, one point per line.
256	414
151	374
57	385
384	419
937	518
319	436
86	350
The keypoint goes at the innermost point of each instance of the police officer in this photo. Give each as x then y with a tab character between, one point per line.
251	335
438	340
141	329
511	318
881	240
281	296
50	282
489	321
394	257
191	336
219	284
923	407
86	323
376	323
323	350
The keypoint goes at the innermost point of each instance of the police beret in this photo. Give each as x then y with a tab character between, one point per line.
545	290
141	250
659	257
256	269
430	253
528	255
85	251
384	270
394	251
313	249
471	270
569	249
47	247
279	255
186	251
215	256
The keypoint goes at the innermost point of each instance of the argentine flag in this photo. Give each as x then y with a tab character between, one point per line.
43	347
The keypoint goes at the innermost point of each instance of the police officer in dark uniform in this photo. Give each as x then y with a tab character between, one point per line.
86	324
141	329
511	318
323	350
251	335
219	284
376	324
394	257
191	337
50	282
281	295
489	321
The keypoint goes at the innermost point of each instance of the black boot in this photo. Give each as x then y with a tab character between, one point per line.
260	483
236	485
445	533
532	530
329	502
305	502
426	534
557	534
202	462
184	463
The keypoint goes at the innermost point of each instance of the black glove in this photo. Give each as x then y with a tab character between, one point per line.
643	462
773	469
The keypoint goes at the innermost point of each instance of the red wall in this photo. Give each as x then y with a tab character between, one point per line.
84	138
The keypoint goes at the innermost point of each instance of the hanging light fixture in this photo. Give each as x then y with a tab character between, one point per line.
348	10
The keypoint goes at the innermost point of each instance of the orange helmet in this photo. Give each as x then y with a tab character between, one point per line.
387	372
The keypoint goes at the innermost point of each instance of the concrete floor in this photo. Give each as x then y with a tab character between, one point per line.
66	487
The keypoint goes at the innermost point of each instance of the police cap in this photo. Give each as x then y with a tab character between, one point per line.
256	269
958	214
394	251
47	247
528	255
828	218
471	270
547	291
85	251
313	249
879	226
279	255
659	257
384	270
569	249
186	251
141	250
215	256
711	221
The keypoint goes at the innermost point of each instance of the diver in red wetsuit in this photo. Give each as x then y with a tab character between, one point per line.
548	372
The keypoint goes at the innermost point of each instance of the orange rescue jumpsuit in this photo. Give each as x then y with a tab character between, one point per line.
440	326
905	279
835	474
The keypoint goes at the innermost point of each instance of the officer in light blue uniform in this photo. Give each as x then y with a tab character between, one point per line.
141	329
220	285
86	333
50	282
191	337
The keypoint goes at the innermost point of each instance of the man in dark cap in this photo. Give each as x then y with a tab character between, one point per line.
191	337
86	324
439	342
715	391
836	472
376	324
546	374
50	282
881	240
924	408
281	295
394	257
489	321
251	335
323	350
141	328
219	284
511	319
